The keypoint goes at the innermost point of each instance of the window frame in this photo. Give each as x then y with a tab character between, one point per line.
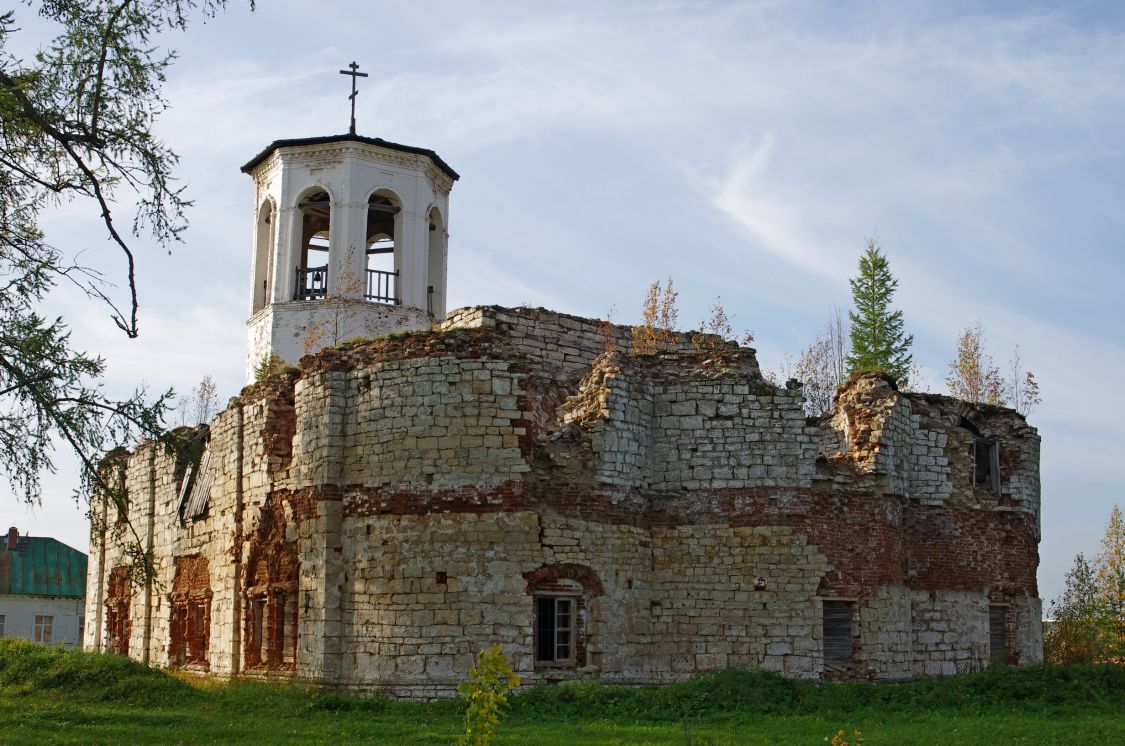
3	620
44	628
554	599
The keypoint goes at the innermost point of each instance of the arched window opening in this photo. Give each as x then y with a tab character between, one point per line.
382	244
561	594
263	257
312	272
435	290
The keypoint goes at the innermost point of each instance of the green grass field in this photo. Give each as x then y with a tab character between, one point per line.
48	696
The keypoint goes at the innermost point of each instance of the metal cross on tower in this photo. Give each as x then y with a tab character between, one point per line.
355	73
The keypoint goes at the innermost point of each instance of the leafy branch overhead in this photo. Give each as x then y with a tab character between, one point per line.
76	125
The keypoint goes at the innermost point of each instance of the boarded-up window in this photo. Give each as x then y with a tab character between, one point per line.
998	634
838	630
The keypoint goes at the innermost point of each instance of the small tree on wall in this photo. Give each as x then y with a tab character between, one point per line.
972	376
660	318
878	341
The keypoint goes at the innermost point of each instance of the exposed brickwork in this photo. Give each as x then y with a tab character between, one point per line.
190	601
403	502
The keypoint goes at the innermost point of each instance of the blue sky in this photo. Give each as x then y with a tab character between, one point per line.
745	149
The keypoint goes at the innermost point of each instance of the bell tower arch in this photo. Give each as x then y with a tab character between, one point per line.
350	240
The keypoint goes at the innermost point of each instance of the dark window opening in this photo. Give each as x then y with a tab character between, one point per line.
838	631
554	629
986	465
998	635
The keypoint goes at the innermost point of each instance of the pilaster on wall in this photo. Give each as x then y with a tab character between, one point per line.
321	549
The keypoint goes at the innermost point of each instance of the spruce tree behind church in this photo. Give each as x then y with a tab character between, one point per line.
878	344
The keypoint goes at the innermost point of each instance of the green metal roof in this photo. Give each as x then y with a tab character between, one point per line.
42	567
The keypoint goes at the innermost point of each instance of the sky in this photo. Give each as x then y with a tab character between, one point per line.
746	150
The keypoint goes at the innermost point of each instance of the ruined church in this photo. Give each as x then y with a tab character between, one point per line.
422	483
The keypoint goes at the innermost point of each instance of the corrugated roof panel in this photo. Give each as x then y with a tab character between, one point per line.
41	566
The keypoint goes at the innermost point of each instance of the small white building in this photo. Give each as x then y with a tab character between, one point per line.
350	240
42	590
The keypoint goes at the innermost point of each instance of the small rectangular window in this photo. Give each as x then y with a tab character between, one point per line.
44	624
554	629
81	629
838	630
998	634
1	625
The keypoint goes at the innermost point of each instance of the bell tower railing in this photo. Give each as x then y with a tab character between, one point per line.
382	286
312	283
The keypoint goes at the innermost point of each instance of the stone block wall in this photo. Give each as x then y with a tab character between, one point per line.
402	501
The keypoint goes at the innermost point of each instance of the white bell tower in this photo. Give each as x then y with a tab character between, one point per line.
350	240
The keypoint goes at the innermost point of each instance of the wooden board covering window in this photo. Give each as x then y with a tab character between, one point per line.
838	630
998	634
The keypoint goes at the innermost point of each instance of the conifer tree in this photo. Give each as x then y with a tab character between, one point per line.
878	343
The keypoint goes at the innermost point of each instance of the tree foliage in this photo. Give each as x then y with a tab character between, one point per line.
823	366
660	320
878	341
201	405
1109	573
717	330
76	125
486	691
1088	622
973	376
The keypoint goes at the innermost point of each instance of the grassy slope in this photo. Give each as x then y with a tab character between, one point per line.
48	696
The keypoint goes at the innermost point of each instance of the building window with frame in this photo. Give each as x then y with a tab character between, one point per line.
44	625
2	618
554	629
560	595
